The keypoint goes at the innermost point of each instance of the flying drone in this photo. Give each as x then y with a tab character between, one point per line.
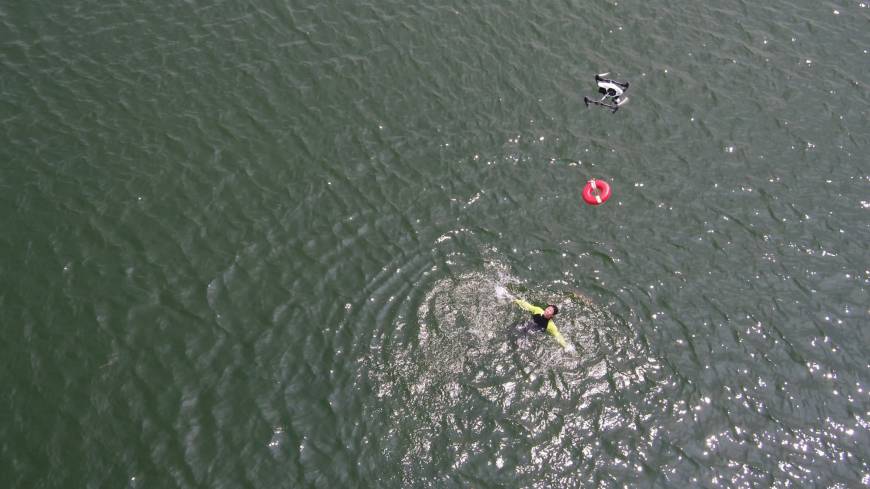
612	93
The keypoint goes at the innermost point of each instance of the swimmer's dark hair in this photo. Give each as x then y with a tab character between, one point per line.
555	309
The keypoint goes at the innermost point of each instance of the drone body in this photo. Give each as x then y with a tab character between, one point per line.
612	93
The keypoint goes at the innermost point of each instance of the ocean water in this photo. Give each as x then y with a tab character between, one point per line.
273	244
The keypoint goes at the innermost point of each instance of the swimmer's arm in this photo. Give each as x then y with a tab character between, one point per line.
528	307
554	331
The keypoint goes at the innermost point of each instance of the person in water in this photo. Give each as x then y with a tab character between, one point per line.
542	319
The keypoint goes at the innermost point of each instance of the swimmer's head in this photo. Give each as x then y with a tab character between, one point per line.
550	311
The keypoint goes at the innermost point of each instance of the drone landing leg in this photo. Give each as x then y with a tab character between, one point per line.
588	101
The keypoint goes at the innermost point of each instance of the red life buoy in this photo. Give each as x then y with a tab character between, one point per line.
596	192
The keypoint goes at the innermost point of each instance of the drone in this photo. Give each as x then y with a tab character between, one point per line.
612	93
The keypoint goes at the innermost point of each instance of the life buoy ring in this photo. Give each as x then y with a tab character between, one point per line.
596	192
